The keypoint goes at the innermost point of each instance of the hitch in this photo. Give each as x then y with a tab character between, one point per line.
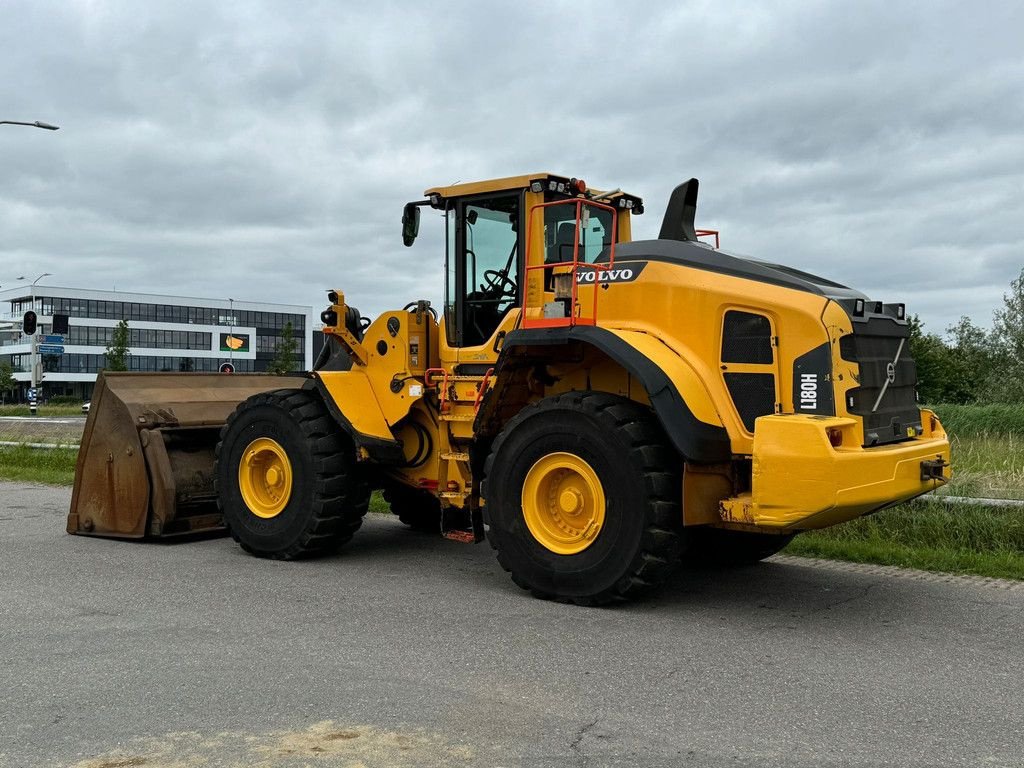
932	469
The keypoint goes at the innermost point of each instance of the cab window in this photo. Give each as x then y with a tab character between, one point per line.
560	232
485	267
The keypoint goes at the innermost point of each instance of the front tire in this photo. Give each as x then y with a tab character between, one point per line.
287	481
582	499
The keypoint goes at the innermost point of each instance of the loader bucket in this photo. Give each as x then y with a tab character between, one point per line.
146	463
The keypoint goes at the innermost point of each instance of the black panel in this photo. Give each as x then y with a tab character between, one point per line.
874	345
746	338
753	395
680	213
812	382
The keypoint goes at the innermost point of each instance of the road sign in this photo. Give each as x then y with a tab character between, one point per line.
58	339
50	349
31	393
227	368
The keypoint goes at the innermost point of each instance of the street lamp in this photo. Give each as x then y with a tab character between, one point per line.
36	124
32	355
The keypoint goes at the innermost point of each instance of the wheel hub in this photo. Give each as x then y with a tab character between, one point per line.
563	503
265	477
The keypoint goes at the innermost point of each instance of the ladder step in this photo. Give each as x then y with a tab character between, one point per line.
458	417
452	456
453	494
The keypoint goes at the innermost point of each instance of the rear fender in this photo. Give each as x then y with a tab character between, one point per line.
690	420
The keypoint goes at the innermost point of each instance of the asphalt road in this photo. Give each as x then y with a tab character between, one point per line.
407	650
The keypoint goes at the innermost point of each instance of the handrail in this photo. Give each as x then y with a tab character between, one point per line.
709	233
574	265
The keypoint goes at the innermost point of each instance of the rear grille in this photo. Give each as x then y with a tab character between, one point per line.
886	399
753	395
746	338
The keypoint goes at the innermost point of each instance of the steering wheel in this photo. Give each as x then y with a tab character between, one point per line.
499	282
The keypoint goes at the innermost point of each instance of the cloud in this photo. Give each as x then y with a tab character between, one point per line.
265	150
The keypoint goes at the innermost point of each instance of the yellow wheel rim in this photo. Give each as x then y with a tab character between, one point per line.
563	503
265	477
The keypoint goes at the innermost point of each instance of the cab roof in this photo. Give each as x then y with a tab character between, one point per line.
508	183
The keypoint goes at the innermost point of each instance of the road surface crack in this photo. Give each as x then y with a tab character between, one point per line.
575	748
860	594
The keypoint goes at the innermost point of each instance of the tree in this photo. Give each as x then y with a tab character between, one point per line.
284	352
1005	380
932	358
7	382
117	350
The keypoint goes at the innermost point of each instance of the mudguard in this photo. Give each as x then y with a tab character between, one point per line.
351	402
691	422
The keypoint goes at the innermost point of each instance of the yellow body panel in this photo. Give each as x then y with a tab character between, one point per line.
801	481
682	310
398	347
683	373
353	393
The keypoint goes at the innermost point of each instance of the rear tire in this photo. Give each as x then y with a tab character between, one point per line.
582	499
286	477
718	547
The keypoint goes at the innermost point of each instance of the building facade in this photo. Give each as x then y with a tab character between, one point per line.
166	333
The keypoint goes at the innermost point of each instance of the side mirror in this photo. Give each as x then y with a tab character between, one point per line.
410	223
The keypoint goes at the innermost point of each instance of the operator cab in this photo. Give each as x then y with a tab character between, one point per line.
489	226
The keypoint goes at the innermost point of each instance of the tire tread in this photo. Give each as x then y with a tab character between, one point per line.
340	494
650	453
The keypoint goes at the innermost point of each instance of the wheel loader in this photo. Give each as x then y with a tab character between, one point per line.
599	409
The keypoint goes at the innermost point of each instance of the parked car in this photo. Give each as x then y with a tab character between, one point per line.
85	407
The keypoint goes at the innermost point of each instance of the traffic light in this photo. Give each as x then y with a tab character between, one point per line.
60	324
28	326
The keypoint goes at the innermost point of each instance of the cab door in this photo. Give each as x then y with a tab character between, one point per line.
483	274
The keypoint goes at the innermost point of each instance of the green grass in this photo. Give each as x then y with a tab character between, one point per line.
377	504
987	466
953	538
981	420
43	410
51	467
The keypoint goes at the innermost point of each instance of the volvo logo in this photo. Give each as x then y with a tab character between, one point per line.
890	372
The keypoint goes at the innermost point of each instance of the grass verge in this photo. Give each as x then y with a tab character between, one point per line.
977	420
51	467
43	410
952	538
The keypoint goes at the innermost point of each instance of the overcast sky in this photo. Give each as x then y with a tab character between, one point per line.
264	151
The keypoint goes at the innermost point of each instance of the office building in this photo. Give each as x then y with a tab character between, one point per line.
167	333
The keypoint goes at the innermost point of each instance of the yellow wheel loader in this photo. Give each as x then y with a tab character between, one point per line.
597	408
